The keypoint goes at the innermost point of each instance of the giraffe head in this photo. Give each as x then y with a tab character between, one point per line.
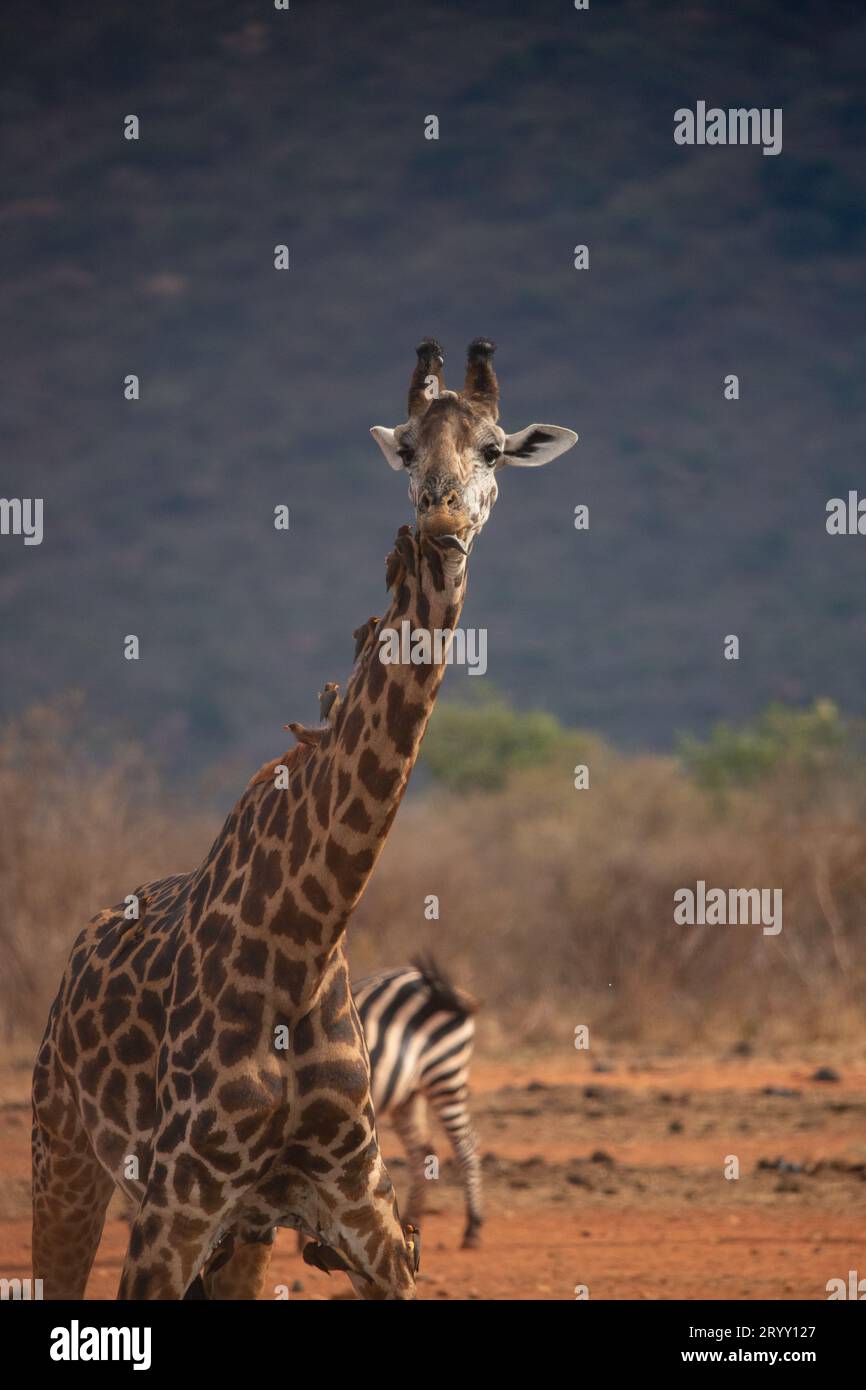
452	447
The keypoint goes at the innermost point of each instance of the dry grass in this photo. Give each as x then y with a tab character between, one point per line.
556	906
76	835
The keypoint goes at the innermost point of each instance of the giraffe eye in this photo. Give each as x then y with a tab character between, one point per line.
406	454
490	453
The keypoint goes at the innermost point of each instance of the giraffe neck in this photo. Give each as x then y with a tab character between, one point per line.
358	773
309	848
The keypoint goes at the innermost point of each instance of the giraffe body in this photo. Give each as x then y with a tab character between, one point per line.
208	1060
163	1045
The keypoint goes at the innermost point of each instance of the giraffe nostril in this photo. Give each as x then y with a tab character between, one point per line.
452	500
424	501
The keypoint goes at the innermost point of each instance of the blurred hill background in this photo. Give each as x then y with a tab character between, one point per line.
554	905
258	388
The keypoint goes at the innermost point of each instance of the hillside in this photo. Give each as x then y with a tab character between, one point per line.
258	388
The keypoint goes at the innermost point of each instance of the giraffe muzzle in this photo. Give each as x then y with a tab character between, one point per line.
440	520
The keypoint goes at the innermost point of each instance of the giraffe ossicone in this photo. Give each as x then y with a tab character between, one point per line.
160	1043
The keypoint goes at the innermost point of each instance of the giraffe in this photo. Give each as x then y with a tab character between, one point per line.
208	1060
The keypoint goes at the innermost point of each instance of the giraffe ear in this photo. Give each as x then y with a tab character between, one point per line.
537	444
387	442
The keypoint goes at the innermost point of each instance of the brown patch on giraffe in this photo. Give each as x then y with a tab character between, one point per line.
279	822
138	961
198	895
301	840
145	1111
322	1120
349	870
184	1017
214	962
151	1010
404	719
304	1036
344	786
112	1014
232	895
379	781
348	1079
266	806
352	730
376	677
315	894
86	1031
356	816
173	1133
133	1047
209	1142
222	869
352	1141
265	877
189	1051
203	1080
243	1012
114	1099
291	921
290	976
322	787
245	842
251	957
192	1175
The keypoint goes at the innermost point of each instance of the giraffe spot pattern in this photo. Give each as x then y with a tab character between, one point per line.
152	1044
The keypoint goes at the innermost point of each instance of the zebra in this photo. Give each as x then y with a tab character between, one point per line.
420	1034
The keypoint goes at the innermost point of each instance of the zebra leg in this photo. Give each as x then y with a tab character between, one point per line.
453	1111
410	1122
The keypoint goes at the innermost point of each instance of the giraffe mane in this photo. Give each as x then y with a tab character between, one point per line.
267	770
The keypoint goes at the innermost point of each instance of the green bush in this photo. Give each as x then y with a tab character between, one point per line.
805	741
477	742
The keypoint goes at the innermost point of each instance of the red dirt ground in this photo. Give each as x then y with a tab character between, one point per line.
611	1180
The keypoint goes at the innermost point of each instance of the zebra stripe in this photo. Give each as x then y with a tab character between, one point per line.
420	1034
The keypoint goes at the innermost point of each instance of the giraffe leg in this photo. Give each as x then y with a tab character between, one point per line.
167	1247
367	1232
242	1273
71	1192
410	1122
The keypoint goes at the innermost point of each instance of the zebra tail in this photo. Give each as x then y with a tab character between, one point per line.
445	994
